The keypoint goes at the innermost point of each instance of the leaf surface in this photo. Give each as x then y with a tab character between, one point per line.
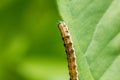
95	29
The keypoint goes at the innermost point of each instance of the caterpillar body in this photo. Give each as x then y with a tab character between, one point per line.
71	58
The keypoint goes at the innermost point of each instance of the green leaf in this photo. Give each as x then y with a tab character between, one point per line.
95	29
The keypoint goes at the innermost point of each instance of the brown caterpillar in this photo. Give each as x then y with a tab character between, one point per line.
69	51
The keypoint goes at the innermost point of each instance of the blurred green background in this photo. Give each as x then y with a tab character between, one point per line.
30	43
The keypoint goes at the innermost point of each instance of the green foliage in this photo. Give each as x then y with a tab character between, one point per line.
95	30
30	48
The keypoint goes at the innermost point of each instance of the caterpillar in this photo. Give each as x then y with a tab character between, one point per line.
70	52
